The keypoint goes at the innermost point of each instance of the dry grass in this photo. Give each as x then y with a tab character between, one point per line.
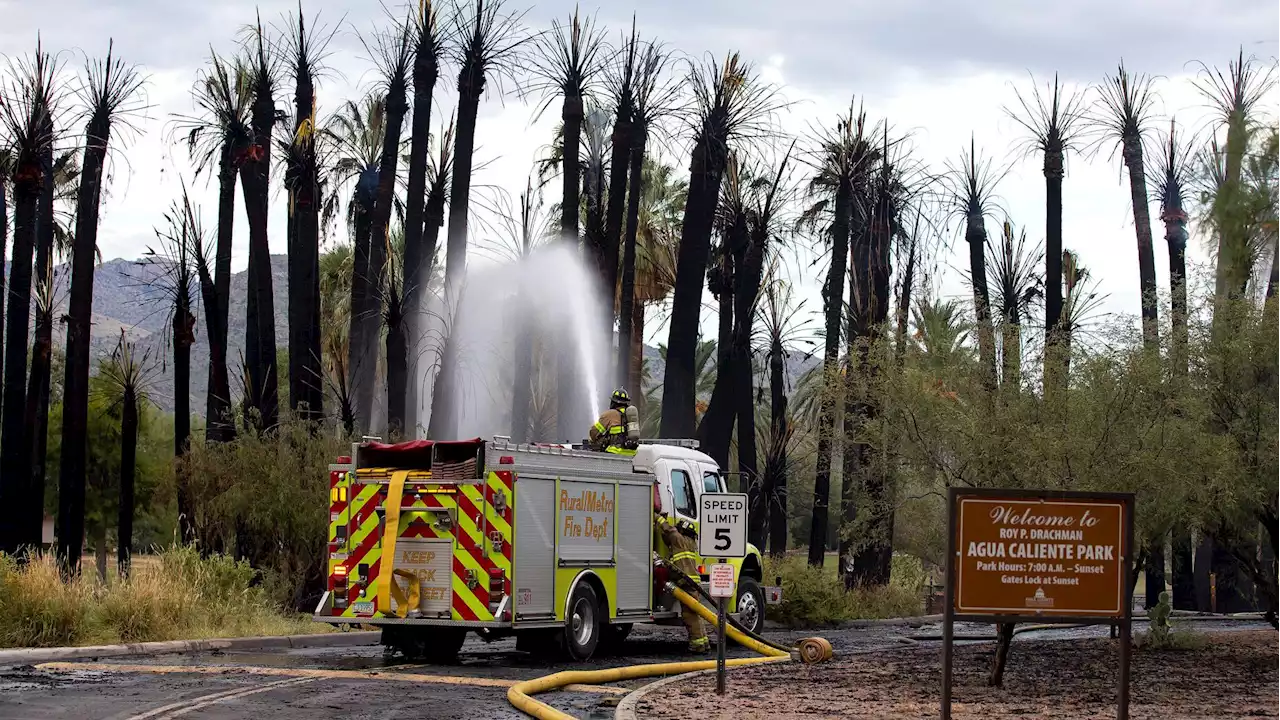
176	595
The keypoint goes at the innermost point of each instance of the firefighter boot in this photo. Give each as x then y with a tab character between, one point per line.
700	645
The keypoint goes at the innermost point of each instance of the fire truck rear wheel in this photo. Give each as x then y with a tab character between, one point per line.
438	645
582	623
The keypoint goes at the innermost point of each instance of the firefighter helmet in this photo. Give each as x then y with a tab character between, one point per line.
619	398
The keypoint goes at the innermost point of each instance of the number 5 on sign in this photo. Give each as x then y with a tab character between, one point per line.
722	518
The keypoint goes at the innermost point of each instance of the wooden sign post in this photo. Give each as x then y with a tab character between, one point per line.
1039	556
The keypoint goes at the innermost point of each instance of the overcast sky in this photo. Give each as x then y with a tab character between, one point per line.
937	69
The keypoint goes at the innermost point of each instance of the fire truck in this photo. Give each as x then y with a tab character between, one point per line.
551	543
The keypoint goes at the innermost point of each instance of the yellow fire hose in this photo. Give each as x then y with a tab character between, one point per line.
808	650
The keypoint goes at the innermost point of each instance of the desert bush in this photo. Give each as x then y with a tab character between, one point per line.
183	596
815	596
265	498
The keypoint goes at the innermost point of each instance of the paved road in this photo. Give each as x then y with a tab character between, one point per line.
358	682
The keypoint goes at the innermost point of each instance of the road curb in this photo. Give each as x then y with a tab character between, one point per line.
855	624
28	656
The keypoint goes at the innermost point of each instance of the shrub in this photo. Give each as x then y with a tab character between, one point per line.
182	596
816	596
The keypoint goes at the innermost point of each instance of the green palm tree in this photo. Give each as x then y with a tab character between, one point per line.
658	210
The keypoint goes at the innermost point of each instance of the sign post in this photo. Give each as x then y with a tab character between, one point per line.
722	533
1041	556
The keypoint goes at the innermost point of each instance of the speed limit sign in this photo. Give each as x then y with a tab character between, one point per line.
722	520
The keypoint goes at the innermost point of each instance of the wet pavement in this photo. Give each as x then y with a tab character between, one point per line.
362	682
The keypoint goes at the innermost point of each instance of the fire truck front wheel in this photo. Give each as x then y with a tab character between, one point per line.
582	623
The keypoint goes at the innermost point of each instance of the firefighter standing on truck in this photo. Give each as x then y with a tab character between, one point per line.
610	433
681	541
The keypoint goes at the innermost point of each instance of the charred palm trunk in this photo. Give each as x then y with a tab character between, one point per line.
715	432
37	411
379	282
614	216
1011	344
15	447
904	306
1175	235
856	453
627	291
417	257
748	273
444	410
260	316
306	390
635	373
128	464
4	247
397	370
1184	581
706	171
872	564
776	465
184	324
221	425
976	236
75	402
1132	152
1053	175
833	301
571	116
358	324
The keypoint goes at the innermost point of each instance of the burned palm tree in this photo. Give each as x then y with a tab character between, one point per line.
652	95
111	94
1234	96
356	134
842	159
620	82
485	44
31	99
255	180
1017	287
522	226
731	104
782	332
1170	181
221	136
304	53
970	189
894	189
175	264
1053	120
393	53
1123	118
128	377
660	205
1080	301
913	248
6	174
428	49
567	63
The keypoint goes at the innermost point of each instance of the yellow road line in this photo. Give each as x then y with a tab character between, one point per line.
183	707
380	674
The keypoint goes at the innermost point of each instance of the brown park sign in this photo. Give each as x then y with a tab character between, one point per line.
1036	555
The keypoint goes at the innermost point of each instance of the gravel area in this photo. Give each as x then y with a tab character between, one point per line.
1233	676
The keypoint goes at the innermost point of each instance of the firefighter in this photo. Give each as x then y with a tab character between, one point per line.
610	431
681	541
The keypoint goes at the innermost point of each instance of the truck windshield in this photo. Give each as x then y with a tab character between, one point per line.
711	482
682	493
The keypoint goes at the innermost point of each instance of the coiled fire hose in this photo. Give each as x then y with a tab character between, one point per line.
808	650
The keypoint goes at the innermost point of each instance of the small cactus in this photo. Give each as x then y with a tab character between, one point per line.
1159	616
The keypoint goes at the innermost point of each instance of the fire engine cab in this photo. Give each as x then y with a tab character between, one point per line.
554	544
